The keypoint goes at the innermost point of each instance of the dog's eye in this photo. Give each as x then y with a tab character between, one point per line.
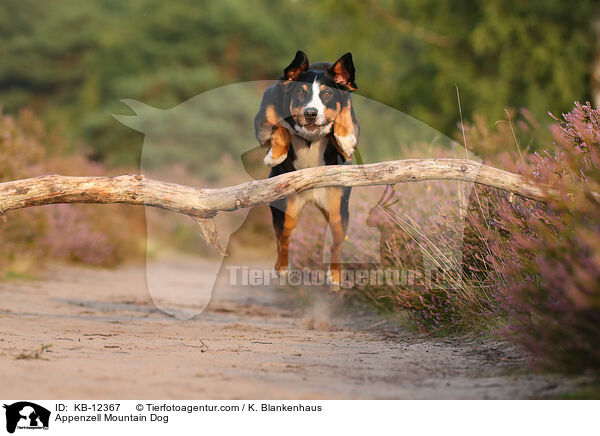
300	92
327	93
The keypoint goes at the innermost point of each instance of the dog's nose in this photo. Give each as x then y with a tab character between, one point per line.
310	113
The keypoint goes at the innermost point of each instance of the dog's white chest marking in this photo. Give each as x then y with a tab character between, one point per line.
309	154
307	157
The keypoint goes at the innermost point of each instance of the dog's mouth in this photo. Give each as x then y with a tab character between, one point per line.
313	126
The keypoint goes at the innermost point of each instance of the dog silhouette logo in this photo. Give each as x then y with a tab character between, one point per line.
26	415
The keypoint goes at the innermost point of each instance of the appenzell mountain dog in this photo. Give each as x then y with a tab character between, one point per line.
306	119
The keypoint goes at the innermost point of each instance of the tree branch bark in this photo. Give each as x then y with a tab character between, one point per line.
203	204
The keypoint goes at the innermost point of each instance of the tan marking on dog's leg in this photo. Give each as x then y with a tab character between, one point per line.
334	200
272	117
283	239
344	132
280	144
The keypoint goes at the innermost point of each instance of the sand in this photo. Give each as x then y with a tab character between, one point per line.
95	334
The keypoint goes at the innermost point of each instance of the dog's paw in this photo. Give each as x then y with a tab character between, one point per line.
334	280
270	161
281	272
347	144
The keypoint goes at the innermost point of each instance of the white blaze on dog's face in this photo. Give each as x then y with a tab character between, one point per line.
316	107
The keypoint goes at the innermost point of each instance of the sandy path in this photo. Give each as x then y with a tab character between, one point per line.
107	340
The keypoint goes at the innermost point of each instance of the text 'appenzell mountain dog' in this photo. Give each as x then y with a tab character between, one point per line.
306	119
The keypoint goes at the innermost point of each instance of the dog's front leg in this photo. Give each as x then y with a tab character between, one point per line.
283	236
280	144
345	132
338	233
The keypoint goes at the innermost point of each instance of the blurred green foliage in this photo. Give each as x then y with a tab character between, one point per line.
73	61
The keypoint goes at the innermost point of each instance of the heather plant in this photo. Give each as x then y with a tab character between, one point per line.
529	271
550	260
69	232
538	262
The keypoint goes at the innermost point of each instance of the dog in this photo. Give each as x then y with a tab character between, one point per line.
306	119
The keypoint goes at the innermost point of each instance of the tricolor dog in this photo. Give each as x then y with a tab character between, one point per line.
306	119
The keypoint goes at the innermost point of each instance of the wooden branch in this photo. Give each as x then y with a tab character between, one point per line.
204	204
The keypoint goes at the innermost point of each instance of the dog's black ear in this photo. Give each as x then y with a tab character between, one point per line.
343	72
299	64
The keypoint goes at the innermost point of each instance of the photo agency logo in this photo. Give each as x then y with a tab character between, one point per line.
24	415
342	236
240	275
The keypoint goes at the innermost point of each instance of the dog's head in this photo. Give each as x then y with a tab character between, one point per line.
315	94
